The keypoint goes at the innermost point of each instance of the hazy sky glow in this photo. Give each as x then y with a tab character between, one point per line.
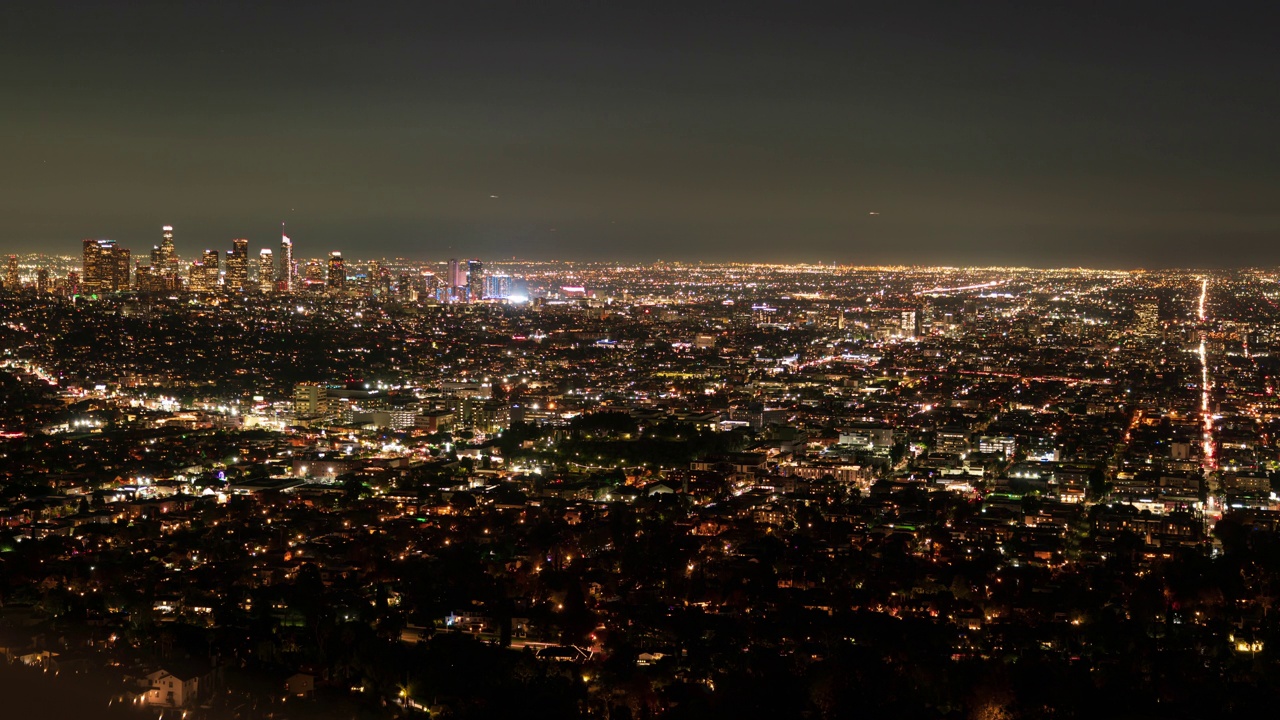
1107	134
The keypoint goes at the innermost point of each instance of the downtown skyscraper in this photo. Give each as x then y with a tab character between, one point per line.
106	266
337	272
285	272
237	277
266	271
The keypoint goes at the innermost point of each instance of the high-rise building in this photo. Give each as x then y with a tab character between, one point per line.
90	265
313	276
405	292
456	281
285	271
11	282
310	400
430	286
144	277
164	264
371	278
211	268
168	253
197	280
908	324
383	282
1147	314
122	270
337	272
497	286
475	280
106	266
42	281
238	266
266	271
202	275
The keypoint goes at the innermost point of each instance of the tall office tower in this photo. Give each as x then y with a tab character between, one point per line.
11	282
337	272
908	326
168	254
497	286
430	286
211	269
456	281
266	271
164	262
196	277
285	272
122	268
89	265
106	266
144	279
238	266
202	275
475	280
371	277
42	281
384	282
404	288
73	283
1147	314
313	275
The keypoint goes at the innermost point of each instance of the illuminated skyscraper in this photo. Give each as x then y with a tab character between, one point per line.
106	266
909	327
168	253
285	272
384	282
211	265
145	279
237	279
42	281
164	262
11	282
497	286
457	282
266	271
405	291
337	272
475	280
1147	313
312	276
122	270
202	276
430	286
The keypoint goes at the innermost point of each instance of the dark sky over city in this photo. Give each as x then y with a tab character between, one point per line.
1071	133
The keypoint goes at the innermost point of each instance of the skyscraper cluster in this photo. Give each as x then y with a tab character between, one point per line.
106	268
465	282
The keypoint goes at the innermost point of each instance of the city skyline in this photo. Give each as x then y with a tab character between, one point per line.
1135	136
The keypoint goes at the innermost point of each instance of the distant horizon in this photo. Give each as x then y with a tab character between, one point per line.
356	250
298	256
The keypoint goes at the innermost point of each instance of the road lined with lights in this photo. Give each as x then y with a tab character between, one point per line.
1206	385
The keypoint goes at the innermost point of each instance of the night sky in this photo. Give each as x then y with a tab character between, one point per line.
1115	134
